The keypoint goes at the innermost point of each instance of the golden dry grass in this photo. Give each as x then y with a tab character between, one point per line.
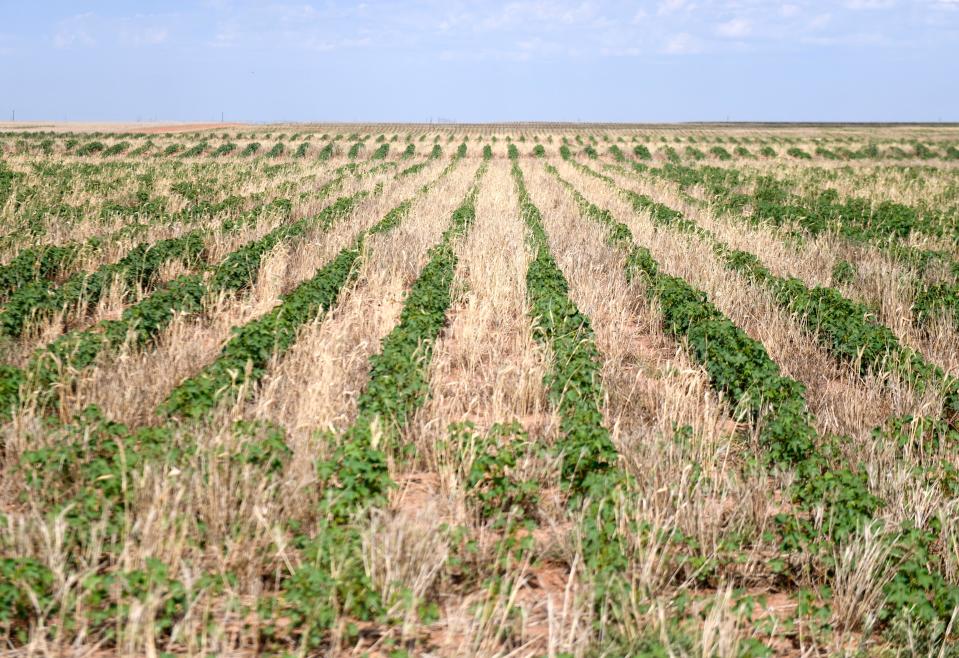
697	518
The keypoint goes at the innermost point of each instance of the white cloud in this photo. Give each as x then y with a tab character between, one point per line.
789	10
144	36
819	21
869	4
671	6
682	44
74	31
520	14
737	28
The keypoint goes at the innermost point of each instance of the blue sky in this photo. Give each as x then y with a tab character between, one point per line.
556	60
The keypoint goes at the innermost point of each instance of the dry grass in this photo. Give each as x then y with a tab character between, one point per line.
697	520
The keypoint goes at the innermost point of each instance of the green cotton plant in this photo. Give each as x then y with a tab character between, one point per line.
90	148
244	359
846	329
641	152
587	451
42	298
936	300
326	152
826	485
196	150
224	149
37	263
495	492
143	322
332	583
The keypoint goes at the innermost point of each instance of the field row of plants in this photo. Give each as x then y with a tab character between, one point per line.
887	226
62	359
102	452
846	329
54	203
519	391
32	284
831	498
245	358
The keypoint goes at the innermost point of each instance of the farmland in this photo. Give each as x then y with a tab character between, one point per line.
512	390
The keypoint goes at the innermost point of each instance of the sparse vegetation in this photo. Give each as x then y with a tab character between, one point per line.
678	391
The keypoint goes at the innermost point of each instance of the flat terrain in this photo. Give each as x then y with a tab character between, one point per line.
515	390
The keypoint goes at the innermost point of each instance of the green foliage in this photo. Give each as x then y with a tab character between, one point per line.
26	586
36	264
91	148
224	149
843	272
42	299
116	149
720	153
494	489
196	150
937	299
573	381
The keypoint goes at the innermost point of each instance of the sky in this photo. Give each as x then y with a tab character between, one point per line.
472	61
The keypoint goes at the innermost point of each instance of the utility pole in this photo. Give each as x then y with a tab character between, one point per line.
13	115
221	116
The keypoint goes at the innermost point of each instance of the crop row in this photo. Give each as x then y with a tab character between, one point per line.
32	273
143	321
332	580
245	357
595	483
887	225
831	497
844	328
145	211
